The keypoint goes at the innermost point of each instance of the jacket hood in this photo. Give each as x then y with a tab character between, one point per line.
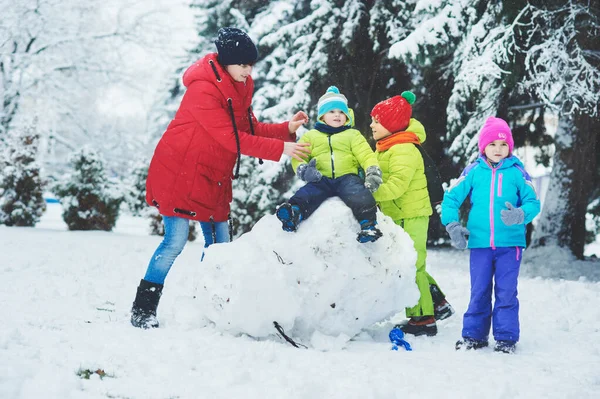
208	69
203	70
417	128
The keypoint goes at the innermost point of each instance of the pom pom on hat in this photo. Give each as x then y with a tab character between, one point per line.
332	99
409	96
235	47
394	113
495	129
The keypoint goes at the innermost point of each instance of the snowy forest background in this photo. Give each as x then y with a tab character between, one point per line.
88	88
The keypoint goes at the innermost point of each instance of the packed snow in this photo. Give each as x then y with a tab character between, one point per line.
66	298
319	280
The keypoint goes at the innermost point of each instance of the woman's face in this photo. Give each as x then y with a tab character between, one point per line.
240	72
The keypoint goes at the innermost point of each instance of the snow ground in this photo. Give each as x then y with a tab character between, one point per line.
65	306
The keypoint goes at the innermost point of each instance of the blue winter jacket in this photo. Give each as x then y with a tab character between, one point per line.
489	189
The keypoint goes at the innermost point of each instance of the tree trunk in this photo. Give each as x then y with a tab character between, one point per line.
562	222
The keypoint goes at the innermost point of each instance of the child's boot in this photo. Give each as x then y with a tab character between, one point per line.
143	311
368	231
442	309
470	343
505	346
423	325
290	216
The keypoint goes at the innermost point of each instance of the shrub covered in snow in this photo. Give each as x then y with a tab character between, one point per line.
21	186
135	193
90	200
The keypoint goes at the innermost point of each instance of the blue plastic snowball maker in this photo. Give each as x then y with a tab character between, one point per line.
397	338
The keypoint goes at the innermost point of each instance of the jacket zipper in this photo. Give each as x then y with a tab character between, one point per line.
332	163
500	184
492	209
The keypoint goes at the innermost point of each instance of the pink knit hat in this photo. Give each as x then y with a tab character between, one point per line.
495	129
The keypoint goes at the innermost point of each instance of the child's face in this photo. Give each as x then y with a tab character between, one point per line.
496	151
239	73
335	118
379	131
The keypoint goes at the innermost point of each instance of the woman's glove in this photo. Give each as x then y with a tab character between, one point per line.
373	178
308	172
512	215
458	235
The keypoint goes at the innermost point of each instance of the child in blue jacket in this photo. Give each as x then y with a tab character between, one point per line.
503	201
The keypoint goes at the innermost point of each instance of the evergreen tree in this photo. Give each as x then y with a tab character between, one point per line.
21	186
311	45
135	193
563	70
519	61
90	200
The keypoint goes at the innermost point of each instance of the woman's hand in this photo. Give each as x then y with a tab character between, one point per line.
298	151
297	120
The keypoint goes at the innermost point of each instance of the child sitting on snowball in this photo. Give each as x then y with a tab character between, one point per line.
337	152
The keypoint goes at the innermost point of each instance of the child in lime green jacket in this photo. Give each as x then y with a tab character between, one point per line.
337	153
404	197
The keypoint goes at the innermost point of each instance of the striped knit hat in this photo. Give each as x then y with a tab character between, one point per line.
332	99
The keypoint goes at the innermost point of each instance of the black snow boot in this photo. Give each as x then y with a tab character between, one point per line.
368	231
442	309
505	346
289	215
417	326
470	344
143	312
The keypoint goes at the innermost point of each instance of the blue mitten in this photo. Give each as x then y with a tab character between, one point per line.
512	215
308	172
458	235
373	178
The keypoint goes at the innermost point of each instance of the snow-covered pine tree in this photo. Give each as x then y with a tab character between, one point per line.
90	199
321	43
307	46
69	61
21	184
506	57
469	37
563	69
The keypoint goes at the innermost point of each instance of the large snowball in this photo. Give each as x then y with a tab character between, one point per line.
318	281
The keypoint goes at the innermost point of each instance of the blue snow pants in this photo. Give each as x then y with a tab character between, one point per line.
350	188
502	265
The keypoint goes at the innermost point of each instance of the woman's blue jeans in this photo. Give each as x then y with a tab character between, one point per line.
176	236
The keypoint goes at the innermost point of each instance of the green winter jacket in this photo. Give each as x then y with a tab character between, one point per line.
403	193
338	154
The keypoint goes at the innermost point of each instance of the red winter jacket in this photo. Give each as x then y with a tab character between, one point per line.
190	173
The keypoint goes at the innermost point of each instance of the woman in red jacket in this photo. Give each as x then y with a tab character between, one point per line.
192	168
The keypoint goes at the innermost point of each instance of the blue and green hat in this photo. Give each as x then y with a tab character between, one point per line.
332	99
